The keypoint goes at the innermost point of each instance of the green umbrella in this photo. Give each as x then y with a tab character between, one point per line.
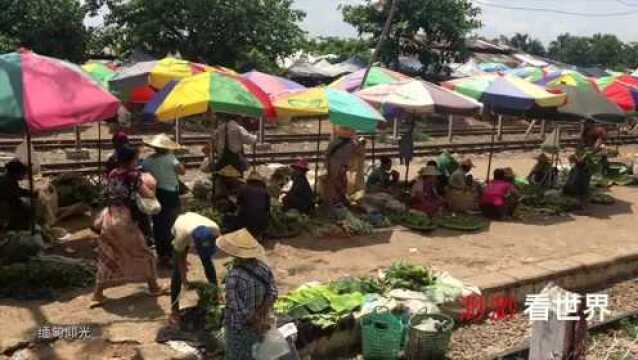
99	72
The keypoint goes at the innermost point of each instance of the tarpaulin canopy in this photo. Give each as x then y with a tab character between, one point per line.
40	94
416	96
341	107
212	91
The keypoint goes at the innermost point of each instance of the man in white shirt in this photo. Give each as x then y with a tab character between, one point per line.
233	152
192	229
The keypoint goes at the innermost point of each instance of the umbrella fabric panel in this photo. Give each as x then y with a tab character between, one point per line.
190	96
59	95
504	94
588	103
348	110
274	86
543	98
473	87
235	95
448	102
377	76
169	69
624	96
11	93
100	73
311	102
133	76
408	96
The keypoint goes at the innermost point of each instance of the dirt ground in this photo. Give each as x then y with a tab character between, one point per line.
129	323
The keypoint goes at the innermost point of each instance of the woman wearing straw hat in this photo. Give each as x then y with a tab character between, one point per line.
123	255
250	294
425	197
300	196
164	167
253	202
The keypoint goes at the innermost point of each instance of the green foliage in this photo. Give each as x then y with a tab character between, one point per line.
343	48
525	43
401	275
604	50
432	30
49	27
238	34
208	299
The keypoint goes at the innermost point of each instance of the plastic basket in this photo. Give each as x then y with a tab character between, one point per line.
382	335
427	344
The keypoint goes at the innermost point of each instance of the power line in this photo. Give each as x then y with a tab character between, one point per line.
556	11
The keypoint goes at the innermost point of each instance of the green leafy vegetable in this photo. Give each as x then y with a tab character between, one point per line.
401	275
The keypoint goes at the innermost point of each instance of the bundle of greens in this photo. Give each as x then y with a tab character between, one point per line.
72	189
462	222
413	220
209	301
283	224
364	285
353	225
554	204
319	304
401	275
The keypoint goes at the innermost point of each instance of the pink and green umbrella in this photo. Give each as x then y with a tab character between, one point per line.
377	76
39	93
272	85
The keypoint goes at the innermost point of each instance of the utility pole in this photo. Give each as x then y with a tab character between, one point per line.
384	35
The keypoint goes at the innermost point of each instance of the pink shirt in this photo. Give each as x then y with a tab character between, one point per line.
495	192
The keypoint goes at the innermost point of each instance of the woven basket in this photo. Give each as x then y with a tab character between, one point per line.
427	344
382	335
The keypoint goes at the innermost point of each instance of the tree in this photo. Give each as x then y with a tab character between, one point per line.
432	30
525	43
571	49
606	51
343	48
49	27
235	33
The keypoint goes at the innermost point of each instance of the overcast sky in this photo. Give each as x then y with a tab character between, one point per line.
323	18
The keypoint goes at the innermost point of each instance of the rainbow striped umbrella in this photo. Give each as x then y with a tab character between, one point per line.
622	90
566	77
99	72
272	85
39	93
377	76
341	107
506	93
211	91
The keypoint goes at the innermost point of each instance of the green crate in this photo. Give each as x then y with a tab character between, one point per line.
383	335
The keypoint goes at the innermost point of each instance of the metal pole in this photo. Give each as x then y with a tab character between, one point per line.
31	197
450	128
500	128
543	128
619	139
373	149
317	157
384	34
178	131
78	140
489	161
395	129
262	130
99	154
213	154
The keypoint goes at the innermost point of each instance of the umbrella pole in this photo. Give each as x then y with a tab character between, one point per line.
99	154
395	129
262	130
317	157
373	150
450	125
178	131
619	139
213	155
31	197
78	139
489	161
500	128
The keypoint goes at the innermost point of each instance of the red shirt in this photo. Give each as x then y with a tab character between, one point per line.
495	193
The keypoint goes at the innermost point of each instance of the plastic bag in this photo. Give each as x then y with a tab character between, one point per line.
272	347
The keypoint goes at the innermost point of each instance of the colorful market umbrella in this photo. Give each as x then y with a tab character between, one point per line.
272	85
419	97
506	93
377	76
341	107
566	77
529	73
99	72
211	91
622	90
491	67
39	93
588	103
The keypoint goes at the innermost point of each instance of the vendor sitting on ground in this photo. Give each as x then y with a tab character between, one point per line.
300	195
579	178
191	229
253	204
447	165
14	200
228	182
500	197
383	178
462	193
424	196
542	173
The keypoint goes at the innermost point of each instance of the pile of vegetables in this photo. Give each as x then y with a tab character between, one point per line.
72	189
50	272
209	302
401	275
413	220
204	208
353	225
603	199
462	222
554	204
284	224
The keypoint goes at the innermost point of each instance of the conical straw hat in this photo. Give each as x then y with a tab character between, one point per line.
162	141
241	244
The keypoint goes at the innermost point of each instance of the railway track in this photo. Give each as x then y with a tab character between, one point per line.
9	145
261	158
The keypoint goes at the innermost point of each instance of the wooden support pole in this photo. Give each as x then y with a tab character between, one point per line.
262	130
78	139
530	128
395	129
31	183
450	128
499	134
317	157
543	128
178	131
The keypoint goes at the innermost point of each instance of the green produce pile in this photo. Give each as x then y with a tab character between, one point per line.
534	197
401	275
600	198
209	301
44	272
73	189
284	224
321	305
353	225
413	220
462	222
